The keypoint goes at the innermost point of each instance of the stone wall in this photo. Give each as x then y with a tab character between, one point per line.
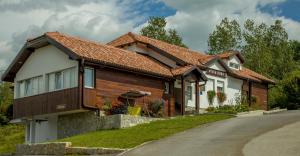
77	123
63	148
42	149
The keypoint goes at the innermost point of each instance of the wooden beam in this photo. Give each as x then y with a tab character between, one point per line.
182	95
197	95
250	92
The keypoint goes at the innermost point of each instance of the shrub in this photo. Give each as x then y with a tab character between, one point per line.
286	92
155	108
210	96
3	119
253	99
119	109
107	106
210	109
229	109
221	97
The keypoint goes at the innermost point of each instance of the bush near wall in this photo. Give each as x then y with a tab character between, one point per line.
229	109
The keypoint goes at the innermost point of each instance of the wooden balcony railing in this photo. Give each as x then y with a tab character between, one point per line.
46	103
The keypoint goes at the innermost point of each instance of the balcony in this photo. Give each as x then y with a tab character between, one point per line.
46	103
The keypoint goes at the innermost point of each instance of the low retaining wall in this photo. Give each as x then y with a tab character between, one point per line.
63	148
77	123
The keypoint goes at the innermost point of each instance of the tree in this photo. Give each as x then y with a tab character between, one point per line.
227	36
267	49
156	30
295	45
6	97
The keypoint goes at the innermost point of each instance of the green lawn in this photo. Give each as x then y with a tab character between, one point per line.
133	136
10	135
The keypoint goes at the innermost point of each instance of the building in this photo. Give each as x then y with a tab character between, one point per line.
58	76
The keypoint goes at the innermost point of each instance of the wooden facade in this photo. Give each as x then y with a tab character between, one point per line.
110	84
52	102
257	90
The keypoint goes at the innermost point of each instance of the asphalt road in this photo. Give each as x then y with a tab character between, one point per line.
276	134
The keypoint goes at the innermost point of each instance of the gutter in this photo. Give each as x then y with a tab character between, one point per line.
81	70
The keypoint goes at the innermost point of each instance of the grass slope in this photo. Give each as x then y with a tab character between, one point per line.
133	136
10	135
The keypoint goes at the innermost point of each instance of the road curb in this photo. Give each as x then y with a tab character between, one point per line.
274	111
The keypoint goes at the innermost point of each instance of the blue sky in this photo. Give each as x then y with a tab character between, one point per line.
104	20
289	9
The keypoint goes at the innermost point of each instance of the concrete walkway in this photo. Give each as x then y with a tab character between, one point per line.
226	138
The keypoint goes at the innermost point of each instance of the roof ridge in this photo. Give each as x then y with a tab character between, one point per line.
90	41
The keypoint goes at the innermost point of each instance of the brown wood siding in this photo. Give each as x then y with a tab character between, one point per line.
110	84
260	91
52	102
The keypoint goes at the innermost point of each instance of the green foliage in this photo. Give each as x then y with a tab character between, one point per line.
133	136
253	99
221	97
291	87
156	30
228	109
107	106
3	119
10	136
227	36
155	108
210	96
267	49
286	93
6	98
295	45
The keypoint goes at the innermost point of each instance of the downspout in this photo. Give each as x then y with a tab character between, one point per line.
82	86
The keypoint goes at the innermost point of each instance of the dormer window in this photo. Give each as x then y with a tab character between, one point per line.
234	65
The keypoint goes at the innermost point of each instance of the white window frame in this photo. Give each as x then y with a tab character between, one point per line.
22	83
213	80
218	81
234	65
62	72
93	77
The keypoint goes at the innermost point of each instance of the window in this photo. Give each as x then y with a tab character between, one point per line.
210	84
189	91
62	79
220	86
29	87
234	65
167	88
21	89
58	80
88	77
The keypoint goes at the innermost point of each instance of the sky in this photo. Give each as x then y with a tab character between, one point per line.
104	20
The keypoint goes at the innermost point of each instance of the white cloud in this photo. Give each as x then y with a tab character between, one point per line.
195	19
95	20
103	20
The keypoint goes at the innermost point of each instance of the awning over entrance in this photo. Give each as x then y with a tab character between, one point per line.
189	70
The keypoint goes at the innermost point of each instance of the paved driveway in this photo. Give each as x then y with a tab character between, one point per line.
233	137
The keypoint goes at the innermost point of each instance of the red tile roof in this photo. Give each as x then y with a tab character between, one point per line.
228	54
249	74
181	70
110	55
187	55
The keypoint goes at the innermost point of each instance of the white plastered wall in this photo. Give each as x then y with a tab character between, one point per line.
43	61
232	87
